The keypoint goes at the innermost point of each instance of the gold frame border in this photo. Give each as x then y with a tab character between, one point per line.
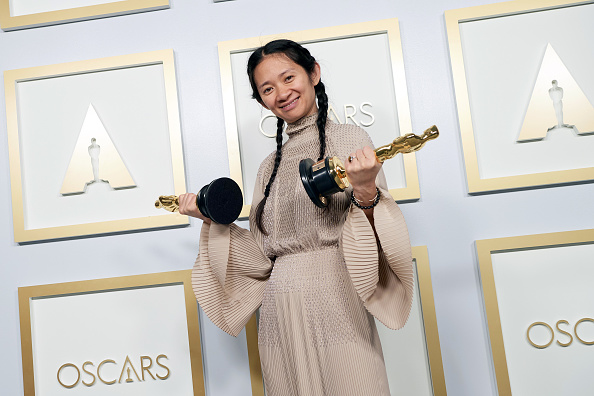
475	183
12	77
112	284
387	26
251	334
485	248
421	257
76	14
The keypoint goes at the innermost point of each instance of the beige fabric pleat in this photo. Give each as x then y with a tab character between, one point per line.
319	276
229	276
383	280
325	342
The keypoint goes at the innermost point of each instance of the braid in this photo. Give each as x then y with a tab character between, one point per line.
277	159
302	57
322	115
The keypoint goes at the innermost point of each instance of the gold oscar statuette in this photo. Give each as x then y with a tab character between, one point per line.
221	201
328	176
167	202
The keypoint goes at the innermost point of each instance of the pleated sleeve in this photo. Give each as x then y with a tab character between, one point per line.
380	268
230	273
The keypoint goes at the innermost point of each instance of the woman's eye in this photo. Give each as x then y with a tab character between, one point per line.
289	78
267	90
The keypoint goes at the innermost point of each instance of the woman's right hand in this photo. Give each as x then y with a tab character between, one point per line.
188	207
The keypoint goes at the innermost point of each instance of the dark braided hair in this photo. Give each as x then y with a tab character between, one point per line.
322	115
303	58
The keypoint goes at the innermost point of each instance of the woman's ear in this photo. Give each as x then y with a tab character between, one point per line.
315	76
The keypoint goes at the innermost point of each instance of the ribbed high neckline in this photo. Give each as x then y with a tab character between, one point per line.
300	125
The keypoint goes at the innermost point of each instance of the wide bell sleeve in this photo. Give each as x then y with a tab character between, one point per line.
380	268
230	274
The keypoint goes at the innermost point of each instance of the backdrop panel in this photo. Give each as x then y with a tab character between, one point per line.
539	303
21	14
136	334
363	71
136	110
518	130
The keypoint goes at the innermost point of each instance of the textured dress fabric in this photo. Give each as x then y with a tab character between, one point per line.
320	276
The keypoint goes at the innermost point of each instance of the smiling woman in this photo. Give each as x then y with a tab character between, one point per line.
289	92
319	275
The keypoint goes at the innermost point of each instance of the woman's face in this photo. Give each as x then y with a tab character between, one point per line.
285	87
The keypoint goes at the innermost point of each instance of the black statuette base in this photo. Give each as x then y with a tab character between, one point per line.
221	200
319	182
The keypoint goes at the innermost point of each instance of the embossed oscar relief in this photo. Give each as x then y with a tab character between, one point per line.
132	335
531	329
360	116
557	102
95	160
548	340
70	375
328	176
221	201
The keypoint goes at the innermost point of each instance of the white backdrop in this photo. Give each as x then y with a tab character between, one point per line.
405	352
130	102
112	325
445	219
546	285
27	7
502	57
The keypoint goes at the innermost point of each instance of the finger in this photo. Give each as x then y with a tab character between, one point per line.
368	152
364	160
370	158
348	164
187	201
182	199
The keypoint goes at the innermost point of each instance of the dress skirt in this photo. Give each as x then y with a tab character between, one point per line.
315	336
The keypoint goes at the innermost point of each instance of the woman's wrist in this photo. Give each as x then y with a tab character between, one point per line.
366	204
365	193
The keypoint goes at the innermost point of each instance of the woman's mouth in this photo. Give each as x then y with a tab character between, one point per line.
290	105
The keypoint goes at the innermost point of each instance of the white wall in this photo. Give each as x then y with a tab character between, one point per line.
446	219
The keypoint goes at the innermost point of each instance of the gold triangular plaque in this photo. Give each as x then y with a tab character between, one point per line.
557	101
95	159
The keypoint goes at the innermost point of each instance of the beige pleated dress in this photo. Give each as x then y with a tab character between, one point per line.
320	276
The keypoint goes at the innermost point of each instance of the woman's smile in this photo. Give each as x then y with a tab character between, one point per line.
285	87
290	105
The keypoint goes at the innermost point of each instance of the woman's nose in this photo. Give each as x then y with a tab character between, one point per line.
283	94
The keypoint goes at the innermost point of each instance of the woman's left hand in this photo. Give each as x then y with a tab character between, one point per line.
362	167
